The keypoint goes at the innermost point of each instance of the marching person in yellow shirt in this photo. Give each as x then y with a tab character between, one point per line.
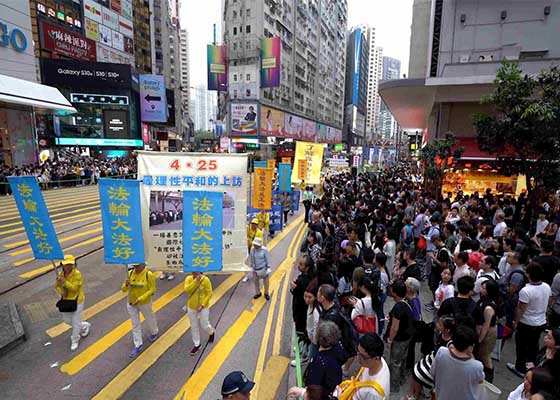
264	224
253	232
199	291
69	284
141	285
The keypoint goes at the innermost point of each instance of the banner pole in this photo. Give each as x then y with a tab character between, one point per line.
54	266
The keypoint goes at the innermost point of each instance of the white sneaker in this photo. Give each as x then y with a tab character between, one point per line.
245	279
163	276
301	361
170	277
85	330
74	347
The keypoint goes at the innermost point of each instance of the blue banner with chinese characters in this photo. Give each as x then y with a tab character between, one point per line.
202	230
285	177
35	218
259	164
122	222
278	195
276	216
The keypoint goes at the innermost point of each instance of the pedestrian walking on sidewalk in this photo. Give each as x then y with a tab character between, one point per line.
199	291
259	261
69	284
140	285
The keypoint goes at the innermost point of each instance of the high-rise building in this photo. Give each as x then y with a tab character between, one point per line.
312	54
185	80
143	36
203	108
387	126
374	76
356	88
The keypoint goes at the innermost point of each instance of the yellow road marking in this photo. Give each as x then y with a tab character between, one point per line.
65	239
76	217
122	382
83	359
74	246
53	206
197	383
280	319
53	195
269	319
23	242
92	311
118	386
59	214
274	372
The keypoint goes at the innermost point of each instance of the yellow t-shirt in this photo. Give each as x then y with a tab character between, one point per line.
196	292
264	221
73	286
252	234
142	286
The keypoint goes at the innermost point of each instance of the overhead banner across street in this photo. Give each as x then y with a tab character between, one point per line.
164	177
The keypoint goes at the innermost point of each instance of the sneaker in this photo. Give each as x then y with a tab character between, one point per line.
511	367
74	347
245	279
135	351
194	350
267	296
301	361
85	330
170	277
153	338
163	276
211	337
257	296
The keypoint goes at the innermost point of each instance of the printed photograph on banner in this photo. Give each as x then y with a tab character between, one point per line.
244	119
166	211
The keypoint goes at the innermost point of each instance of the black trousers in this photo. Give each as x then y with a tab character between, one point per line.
526	344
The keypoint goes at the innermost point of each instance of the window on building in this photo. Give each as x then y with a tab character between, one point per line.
235	77
248	29
241	12
248	12
248	93
241	29
248	77
248	45
235	93
235	30
234	46
234	14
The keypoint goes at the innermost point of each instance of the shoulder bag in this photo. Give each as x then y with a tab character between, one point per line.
364	323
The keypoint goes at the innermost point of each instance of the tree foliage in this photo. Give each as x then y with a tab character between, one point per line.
523	129
434	158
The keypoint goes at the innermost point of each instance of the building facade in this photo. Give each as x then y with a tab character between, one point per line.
310	94
203	108
356	88
387	127
453	65
186	119
375	69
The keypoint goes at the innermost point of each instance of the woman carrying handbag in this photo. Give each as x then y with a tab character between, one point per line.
69	285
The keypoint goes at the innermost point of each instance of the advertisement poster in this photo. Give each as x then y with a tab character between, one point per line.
68	43
126	7
128	45
272	121
118	40
92	30
110	18
105	36
312	154
116	6
308	133
153	103
164	177
293	126
109	55
244	119
126	27
270	62
217	68
92	10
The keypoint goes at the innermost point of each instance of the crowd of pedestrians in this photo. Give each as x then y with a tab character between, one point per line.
489	261
69	172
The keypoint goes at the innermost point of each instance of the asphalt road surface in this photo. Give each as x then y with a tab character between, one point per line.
252	335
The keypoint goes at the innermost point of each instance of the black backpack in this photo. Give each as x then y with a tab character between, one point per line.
349	337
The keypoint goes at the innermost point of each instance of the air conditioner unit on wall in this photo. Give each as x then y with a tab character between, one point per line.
464	58
486	58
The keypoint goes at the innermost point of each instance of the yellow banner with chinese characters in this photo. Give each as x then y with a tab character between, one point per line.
262	188
286	160
271	164
312	154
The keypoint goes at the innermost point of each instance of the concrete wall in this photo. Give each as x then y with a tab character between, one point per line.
15	15
420	38
485	34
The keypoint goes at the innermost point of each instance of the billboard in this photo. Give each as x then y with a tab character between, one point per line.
356	78
293	127
244	118
153	103
65	42
217	67
309	128
270	62
272	122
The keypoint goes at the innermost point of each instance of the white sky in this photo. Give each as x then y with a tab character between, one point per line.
392	20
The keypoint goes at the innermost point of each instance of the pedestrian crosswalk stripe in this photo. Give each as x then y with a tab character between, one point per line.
14	213
74	218
12	245
61	240
55	194
95	205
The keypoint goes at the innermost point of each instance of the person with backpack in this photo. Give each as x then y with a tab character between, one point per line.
511	282
399	333
530	319
461	307
373	381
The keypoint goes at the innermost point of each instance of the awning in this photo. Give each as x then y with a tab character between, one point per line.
19	91
471	150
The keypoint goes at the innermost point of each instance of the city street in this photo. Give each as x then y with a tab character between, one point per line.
251	335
